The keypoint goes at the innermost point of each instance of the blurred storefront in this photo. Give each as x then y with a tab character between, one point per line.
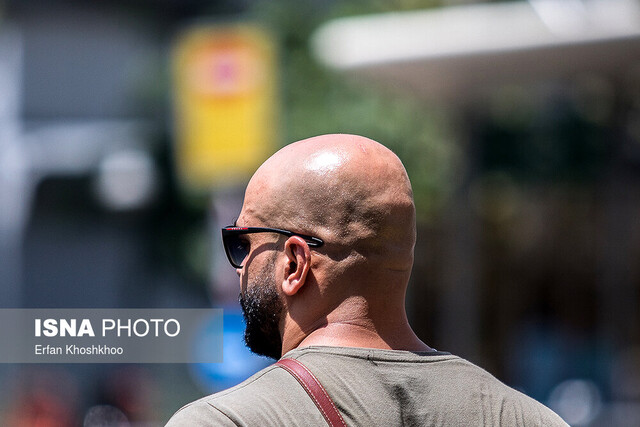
90	215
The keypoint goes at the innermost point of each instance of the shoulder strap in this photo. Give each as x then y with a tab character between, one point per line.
314	389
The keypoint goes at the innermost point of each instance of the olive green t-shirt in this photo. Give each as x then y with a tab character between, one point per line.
371	387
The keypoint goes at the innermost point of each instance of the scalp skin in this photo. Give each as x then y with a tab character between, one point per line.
354	194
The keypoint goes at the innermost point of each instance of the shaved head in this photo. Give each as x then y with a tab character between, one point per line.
350	191
355	195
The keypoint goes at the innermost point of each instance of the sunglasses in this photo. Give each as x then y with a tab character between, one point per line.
237	247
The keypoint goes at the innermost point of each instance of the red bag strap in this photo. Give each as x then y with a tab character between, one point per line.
314	389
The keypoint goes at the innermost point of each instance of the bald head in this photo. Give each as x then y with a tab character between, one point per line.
350	191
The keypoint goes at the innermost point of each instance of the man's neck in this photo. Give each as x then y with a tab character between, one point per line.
356	332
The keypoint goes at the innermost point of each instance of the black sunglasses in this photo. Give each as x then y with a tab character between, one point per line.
237	248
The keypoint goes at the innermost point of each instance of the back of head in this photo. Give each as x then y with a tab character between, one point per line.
350	191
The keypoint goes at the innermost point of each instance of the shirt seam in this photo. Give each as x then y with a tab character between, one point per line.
241	385
223	413
378	358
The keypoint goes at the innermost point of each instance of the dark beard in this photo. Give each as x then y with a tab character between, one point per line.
262	308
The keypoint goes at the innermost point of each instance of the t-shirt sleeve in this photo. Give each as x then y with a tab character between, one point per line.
532	416
521	410
199	414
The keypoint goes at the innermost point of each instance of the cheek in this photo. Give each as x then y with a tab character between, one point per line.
262	269
243	280
254	273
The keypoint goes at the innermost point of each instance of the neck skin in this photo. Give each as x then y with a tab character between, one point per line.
351	324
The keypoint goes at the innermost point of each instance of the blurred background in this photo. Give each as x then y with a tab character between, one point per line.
128	130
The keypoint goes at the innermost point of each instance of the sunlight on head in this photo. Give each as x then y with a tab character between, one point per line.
324	161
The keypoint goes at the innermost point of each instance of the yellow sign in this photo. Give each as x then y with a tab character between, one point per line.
225	105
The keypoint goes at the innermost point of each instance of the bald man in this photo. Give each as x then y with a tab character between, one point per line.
323	247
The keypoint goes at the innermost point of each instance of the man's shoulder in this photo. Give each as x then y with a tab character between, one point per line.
436	385
199	414
269	397
372	385
499	403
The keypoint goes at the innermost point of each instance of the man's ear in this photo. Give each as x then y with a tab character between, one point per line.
299	262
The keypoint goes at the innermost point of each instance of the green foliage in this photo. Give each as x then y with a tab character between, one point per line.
360	7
